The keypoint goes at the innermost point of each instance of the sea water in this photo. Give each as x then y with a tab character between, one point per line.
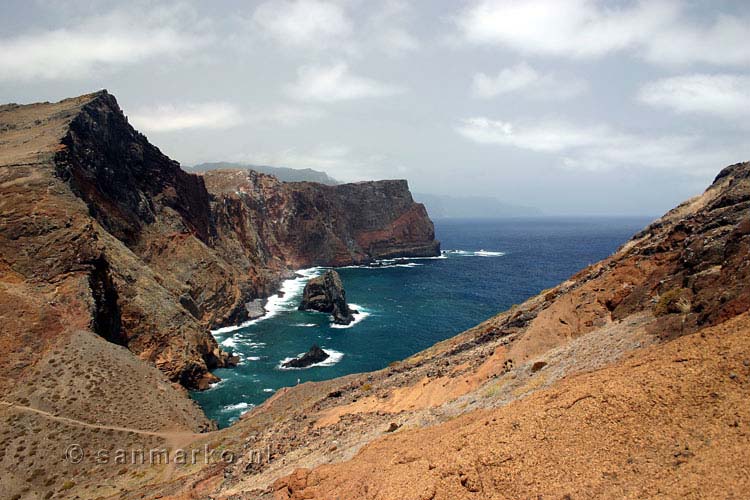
406	305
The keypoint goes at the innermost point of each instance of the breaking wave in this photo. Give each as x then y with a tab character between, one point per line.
333	358
238	406
472	253
284	300
360	315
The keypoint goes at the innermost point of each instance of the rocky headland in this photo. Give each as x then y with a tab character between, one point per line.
326	294
115	263
161	255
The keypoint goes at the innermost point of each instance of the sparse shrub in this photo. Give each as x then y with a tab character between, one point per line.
366	387
675	301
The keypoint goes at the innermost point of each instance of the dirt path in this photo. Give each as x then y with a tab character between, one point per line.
177	436
174	439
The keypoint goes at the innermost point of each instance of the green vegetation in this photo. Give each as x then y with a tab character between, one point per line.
675	301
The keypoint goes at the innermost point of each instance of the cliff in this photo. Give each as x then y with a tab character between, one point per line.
156	256
627	380
305	224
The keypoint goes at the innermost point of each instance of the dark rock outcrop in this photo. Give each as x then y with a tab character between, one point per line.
326	294
314	355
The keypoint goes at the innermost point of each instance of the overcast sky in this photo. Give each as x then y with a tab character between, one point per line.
572	106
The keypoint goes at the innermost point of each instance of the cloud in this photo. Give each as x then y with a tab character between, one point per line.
572	28
553	136
396	41
303	23
722	95
289	116
97	44
330	25
723	43
525	79
659	31
598	147
385	28
336	83
170	118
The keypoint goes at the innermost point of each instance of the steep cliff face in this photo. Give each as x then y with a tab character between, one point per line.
80	216
306	224
159	258
126	182
266	227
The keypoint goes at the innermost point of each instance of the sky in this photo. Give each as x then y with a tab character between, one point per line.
570	106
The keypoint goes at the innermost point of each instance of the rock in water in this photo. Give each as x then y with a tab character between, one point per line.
314	355
255	309
326	294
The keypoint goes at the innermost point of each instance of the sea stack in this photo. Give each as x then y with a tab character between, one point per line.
311	357
326	294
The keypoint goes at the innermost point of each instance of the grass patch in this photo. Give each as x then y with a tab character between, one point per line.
675	301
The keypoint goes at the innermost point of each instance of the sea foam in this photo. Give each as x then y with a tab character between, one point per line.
284	300
473	253
358	316
237	406
333	358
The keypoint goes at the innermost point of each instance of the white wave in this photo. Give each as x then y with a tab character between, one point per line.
268	389
232	342
441	256
380	264
252	358
229	342
333	358
215	385
305	325
487	253
284	300
237	406
360	315
227	329
473	253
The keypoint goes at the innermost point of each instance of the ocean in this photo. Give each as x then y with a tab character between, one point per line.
407	305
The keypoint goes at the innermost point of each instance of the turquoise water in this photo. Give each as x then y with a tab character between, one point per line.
408	305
